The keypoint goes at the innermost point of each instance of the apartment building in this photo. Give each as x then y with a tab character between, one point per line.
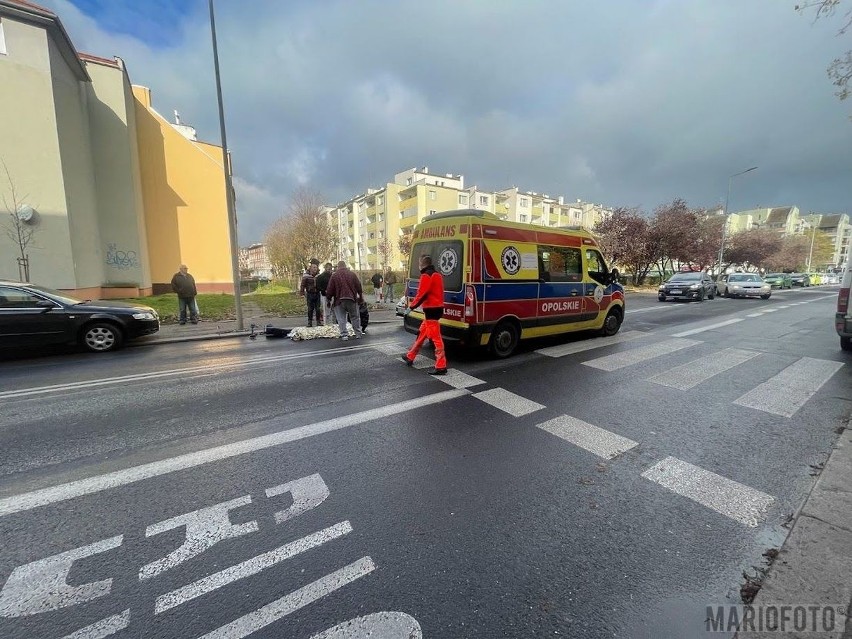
838	228
254	261
370	224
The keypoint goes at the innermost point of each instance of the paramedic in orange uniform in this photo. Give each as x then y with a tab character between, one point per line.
430	294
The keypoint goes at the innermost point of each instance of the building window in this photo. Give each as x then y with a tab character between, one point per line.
433	196
372	236
524	202
2	39
483	200
432	211
380	200
381	235
408	182
381	217
463	199
522	218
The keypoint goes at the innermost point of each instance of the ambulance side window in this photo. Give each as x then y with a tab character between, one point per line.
559	264
596	266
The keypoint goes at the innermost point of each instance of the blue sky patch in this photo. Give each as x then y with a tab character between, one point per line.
158	23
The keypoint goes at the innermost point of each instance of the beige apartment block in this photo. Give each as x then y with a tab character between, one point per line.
786	220
839	230
370	224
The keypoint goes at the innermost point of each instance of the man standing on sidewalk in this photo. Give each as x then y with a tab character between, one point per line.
377	286
390	280
308	289
430	294
183	284
345	293
322	284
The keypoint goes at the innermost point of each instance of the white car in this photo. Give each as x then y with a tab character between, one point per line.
743	285
401	306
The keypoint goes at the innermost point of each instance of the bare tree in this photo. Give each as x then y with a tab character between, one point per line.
20	225
386	252
404	245
303	232
840	69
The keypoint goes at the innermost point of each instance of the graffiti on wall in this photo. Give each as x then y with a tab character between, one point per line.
123	260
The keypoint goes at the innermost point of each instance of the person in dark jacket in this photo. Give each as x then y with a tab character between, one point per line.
183	284
308	289
377	281
322	285
364	315
430	294
345	293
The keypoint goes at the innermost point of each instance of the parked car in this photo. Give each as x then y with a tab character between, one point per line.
401	306
816	279
800	279
778	280
687	286
36	316
843	316
743	285
832	278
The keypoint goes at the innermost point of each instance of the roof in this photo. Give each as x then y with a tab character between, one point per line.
88	57
829	221
778	215
40	17
24	4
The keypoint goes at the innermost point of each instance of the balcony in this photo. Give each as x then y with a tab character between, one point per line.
410	212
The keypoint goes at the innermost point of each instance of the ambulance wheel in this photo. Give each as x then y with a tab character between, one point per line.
612	323
504	339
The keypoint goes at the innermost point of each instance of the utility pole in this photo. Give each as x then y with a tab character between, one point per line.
725	224
229	186
811	252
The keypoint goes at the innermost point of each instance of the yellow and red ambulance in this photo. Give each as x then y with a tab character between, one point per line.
507	281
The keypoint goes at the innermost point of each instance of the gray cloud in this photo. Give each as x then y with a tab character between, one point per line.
622	102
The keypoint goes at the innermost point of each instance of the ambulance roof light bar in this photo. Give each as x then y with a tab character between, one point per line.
462	213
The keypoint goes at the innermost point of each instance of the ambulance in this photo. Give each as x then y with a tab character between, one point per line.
507	281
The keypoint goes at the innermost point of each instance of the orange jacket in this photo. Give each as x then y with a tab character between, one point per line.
430	293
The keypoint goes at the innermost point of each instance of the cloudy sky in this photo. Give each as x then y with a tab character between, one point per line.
624	102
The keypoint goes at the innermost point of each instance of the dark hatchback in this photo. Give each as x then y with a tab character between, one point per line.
687	286
37	316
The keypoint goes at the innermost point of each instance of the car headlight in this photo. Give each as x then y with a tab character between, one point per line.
662	286
695	286
144	316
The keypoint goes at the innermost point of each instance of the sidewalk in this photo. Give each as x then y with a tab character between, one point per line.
814	566
252	314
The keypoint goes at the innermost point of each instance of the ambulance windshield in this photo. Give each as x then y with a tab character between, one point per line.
446	257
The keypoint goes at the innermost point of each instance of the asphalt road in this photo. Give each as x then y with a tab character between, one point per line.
583	488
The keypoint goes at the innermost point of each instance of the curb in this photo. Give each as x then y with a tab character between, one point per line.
216	336
813	565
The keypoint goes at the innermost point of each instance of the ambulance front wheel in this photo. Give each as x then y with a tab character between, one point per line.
612	323
504	339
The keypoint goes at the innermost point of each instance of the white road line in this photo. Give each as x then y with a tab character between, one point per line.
700	370
785	306
590	344
124	379
599	441
726	496
249	567
709	327
458	379
638	355
515	405
103	628
785	393
63	492
754	314
648	309
421	362
770	310
272	612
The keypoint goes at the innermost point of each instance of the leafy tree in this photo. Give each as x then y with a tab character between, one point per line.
625	238
840	69
706	240
672	234
753	248
303	232
404	245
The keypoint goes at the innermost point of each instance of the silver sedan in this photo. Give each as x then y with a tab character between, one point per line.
743	285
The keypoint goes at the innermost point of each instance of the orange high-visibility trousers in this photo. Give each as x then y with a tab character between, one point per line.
430	329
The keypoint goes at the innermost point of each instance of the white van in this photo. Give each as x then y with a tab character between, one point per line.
843	318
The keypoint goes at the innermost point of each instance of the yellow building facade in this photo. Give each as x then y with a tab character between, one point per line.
116	197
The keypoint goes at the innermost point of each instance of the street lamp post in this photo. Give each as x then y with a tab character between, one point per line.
725	224
811	252
229	187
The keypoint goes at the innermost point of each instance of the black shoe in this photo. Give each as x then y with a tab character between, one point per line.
194	321
407	361
182	323
438	371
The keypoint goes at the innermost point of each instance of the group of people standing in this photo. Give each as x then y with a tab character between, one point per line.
340	290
